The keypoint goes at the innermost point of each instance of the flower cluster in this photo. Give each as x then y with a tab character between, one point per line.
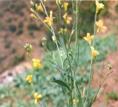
67	18
100	28
28	48
37	97
75	101
49	20
99	23
94	52
29	78
99	6
62	30
36	64
89	38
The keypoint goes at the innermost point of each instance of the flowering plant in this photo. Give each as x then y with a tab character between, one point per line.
76	94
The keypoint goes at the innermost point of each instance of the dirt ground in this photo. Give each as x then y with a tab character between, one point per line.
16	29
110	83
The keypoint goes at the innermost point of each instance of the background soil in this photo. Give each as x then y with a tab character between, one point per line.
16	29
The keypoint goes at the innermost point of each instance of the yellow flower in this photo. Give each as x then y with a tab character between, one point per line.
37	97
94	52
36	63
99	6
29	78
28	47
62	30
89	38
65	6
100	26
33	16
49	19
39	7
67	18
75	101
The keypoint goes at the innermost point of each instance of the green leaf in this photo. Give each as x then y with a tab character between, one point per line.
62	83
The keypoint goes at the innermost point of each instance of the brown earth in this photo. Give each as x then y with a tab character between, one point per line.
16	29
111	81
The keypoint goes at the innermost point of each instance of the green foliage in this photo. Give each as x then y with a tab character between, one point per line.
44	79
86	17
10	96
112	95
18	59
104	45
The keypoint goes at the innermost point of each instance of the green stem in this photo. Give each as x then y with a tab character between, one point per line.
91	64
77	46
91	71
53	33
